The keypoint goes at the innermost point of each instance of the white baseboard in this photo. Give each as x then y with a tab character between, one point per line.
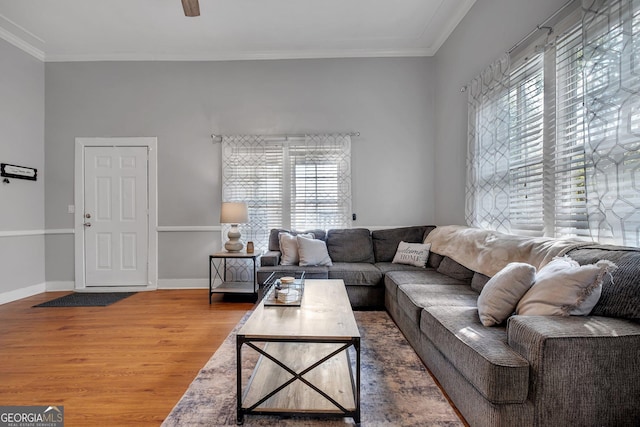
98	289
183	283
69	285
17	294
60	285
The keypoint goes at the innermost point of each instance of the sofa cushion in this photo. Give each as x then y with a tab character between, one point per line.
270	258
455	270
387	267
482	355
350	245
415	275
274	239
620	297
356	273
395	278
421	276
434	260
385	242
413	298
478	281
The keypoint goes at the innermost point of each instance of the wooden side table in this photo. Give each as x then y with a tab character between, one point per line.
218	274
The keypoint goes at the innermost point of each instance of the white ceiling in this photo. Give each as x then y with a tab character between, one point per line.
94	30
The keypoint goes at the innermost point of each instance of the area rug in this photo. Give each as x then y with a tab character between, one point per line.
86	299
396	389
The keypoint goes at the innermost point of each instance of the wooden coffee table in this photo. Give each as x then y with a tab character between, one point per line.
304	365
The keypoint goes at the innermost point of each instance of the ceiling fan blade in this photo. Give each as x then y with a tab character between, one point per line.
191	7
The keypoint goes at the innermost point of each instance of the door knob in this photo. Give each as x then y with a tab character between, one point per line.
87	224
87	216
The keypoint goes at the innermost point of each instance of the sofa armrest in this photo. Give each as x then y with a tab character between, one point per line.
581	368
270	258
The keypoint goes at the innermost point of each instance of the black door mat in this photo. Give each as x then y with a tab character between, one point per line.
85	299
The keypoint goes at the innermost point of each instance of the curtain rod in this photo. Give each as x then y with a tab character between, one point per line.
218	138
541	26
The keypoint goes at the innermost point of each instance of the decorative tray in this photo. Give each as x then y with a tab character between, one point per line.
284	294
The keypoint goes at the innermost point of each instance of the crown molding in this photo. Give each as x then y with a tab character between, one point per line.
219	56
248	56
21	38
452	23
21	44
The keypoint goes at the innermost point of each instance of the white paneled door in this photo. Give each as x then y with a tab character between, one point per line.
116	216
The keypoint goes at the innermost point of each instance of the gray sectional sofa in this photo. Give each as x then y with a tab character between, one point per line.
528	371
360	258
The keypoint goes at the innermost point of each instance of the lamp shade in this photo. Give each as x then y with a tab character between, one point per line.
234	213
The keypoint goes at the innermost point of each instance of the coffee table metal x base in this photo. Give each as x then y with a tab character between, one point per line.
299	376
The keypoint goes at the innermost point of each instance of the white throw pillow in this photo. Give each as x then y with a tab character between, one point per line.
563	287
501	294
585	308
313	252
289	248
412	254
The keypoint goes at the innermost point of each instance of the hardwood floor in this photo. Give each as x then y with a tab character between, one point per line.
126	364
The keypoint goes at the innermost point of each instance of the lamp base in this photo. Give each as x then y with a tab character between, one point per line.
233	244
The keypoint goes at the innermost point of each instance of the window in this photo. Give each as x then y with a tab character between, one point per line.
299	183
560	156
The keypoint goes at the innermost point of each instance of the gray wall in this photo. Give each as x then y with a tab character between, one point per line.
490	28
409	111
389	101
21	143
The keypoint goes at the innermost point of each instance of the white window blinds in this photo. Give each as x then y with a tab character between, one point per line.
321	182
526	107
570	216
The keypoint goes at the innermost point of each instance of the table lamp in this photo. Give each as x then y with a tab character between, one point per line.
234	213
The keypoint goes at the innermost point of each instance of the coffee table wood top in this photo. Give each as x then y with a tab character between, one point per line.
325	313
